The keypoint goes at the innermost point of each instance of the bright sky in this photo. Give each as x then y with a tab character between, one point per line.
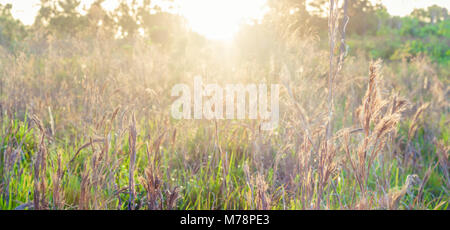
219	19
405	7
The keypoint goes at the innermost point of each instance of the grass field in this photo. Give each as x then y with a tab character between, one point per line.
86	124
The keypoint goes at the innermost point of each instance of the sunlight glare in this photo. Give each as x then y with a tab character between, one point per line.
220	19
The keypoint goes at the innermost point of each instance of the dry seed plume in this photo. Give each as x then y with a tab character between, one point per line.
392	199
39	169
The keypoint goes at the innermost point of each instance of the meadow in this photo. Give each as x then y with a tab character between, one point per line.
85	124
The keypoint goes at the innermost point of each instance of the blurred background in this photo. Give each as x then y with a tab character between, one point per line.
390	29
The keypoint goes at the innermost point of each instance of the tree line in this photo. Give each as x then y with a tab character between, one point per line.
423	31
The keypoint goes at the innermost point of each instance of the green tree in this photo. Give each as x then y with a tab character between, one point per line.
126	17
61	17
437	14
363	17
288	16
100	20
159	26
433	14
12	31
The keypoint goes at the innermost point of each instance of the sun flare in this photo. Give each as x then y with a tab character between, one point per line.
218	19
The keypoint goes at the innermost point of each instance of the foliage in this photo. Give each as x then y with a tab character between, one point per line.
12	32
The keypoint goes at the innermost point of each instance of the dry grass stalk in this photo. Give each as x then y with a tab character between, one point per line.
84	189
415	121
333	28
157	196
249	181
442	152
40	169
392	200
152	184
58	193
262	199
132	165
305	172
326	166
152	179
373	113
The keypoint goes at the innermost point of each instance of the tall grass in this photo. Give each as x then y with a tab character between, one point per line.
86	125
